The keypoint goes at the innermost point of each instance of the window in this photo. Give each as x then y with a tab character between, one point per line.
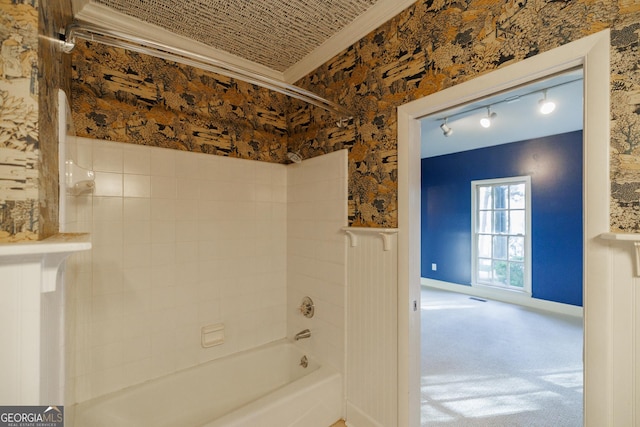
501	233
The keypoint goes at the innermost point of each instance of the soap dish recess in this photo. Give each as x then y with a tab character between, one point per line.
212	335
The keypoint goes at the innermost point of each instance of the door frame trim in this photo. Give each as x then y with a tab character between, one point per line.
592	53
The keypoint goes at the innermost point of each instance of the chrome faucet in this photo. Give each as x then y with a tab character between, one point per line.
302	334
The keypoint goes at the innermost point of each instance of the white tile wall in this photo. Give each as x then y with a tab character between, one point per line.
316	253
77	217
180	240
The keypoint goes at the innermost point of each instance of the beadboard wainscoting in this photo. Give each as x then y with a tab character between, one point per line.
32	318
372	327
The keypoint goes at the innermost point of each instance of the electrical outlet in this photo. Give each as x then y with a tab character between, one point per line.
434	266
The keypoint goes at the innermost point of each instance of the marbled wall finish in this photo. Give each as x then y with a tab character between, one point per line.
19	219
55	72
436	44
128	97
431	46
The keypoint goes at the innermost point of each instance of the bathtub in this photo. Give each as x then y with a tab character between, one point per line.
263	387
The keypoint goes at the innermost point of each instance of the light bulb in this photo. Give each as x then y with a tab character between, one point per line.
485	122
546	106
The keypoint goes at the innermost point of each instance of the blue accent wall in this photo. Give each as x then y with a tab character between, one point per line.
555	166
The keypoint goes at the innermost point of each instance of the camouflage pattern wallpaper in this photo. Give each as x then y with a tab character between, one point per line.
436	44
32	72
432	45
128	97
55	73
19	148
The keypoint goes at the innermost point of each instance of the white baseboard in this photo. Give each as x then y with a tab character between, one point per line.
506	296
357	418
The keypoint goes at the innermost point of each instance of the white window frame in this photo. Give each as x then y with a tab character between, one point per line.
526	290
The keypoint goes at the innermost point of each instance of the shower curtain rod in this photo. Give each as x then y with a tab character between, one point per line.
134	43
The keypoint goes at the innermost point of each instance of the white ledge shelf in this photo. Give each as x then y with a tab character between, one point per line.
385	234
64	242
50	252
627	237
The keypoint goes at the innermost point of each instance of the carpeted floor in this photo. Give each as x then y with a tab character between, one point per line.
486	363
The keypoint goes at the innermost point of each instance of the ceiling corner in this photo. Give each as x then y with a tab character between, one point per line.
373	18
106	17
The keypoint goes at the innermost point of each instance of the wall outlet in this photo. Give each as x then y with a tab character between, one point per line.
434	266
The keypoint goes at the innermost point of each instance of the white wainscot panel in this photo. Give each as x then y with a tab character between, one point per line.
31	319
372	325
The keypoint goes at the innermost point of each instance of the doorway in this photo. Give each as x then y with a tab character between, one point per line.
484	190
515	234
592	53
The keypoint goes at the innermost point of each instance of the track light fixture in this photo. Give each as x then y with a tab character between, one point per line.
546	106
485	122
446	130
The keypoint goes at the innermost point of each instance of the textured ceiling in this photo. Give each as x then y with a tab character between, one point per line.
274	33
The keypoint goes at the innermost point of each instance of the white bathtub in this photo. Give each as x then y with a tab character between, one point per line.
263	387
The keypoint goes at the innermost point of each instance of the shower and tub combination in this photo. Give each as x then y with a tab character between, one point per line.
148	366
274	385
245	373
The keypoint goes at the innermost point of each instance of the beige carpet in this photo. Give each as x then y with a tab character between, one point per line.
486	363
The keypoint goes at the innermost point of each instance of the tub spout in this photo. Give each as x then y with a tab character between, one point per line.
302	334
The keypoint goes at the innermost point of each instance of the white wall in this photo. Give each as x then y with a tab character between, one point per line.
316	253
180	240
372	327
20	310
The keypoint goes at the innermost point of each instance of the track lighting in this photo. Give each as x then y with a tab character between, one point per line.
546	106
485	122
446	130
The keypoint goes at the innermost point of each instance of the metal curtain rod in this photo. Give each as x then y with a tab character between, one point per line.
138	44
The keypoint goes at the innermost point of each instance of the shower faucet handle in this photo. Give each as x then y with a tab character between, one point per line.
307	308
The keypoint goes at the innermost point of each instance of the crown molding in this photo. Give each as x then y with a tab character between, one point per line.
373	18
106	17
